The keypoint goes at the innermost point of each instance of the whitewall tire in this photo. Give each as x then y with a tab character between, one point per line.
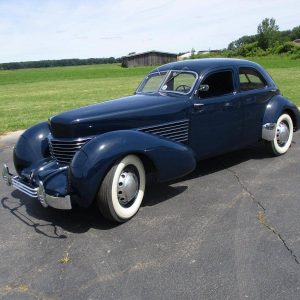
122	190
283	136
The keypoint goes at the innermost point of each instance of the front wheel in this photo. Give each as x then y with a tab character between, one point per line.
283	137
122	190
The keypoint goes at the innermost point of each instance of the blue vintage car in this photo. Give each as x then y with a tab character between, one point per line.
181	112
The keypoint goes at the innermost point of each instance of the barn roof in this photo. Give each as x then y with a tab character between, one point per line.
152	51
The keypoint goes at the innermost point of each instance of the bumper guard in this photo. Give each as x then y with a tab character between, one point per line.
269	131
36	192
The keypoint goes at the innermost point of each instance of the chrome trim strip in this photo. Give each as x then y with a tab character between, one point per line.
168	129
269	131
165	124
66	155
56	143
67	140
170	133
180	139
66	149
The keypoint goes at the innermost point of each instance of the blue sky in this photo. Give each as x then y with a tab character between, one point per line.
34	30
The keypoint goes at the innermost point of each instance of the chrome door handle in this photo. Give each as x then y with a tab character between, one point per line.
228	106
198	106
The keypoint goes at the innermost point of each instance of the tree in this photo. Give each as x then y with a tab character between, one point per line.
268	33
246	39
193	51
295	33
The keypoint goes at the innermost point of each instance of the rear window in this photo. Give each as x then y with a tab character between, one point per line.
251	79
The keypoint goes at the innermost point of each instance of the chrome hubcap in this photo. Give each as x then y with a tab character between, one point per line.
128	186
282	133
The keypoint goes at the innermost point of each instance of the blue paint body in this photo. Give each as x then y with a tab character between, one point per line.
144	124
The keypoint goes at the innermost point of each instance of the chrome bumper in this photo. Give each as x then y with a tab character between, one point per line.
36	192
269	131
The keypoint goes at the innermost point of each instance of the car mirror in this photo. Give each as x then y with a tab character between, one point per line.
203	88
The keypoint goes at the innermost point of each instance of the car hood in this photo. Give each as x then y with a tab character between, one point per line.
124	113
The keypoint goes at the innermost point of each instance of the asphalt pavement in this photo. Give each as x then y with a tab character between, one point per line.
230	230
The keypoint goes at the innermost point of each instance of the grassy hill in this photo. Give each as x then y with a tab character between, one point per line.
31	95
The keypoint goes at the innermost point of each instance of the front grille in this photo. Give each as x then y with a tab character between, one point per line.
177	131
63	150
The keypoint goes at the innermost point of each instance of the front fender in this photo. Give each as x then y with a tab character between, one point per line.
89	166
31	146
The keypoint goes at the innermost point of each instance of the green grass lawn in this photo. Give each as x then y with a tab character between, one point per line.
286	74
32	95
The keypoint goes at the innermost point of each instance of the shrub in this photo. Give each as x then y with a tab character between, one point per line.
250	50
285	48
296	53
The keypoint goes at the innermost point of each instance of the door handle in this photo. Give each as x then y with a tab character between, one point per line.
198	106
228	105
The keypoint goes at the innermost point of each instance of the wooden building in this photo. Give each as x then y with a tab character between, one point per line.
297	42
149	58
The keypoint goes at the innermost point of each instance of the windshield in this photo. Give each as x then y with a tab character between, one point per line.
152	82
173	81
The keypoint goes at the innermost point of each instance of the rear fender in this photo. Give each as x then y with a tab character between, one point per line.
89	166
276	106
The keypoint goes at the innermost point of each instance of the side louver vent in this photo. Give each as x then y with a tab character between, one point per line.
177	131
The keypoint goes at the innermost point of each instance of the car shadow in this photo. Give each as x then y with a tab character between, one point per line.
49	222
228	160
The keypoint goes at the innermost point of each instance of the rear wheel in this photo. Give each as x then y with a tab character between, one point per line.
122	190
284	135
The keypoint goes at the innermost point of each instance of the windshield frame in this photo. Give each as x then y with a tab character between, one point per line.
145	80
167	76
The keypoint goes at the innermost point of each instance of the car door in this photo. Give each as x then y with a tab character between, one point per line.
255	94
216	115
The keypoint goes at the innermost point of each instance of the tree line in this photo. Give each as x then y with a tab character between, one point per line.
268	40
58	63
268	36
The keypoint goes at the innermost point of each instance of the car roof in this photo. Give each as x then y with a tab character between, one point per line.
199	65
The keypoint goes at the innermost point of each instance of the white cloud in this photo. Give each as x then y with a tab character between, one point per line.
32	30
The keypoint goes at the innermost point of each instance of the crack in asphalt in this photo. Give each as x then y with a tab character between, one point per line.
244	187
261	214
262	220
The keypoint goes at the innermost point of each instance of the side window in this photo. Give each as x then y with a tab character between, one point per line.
179	81
185	80
220	83
250	79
